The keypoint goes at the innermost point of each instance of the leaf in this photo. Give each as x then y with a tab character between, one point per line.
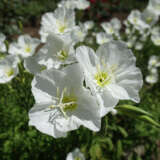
123	131
131	110
149	120
119	149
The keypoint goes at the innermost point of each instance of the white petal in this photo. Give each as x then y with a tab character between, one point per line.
38	117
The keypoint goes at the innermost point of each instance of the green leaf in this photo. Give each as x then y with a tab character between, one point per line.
119	149
131	110
149	120
123	131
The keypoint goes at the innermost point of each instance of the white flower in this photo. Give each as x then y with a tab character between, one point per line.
138	46
59	22
57	52
111	73
135	18
25	46
82	4
8	68
75	155
74	4
156	39
69	4
31	65
155	30
154	61
112	27
79	33
102	38
154	5
2	44
62	103
152	78
149	17
88	25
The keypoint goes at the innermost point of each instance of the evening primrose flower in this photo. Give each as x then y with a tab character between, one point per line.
61	21
138	45
2	44
62	103
156	39
57	52
79	33
112	27
24	47
152	78
88	25
135	18
149	17
69	4
82	4
111	73
154	61
103	37
154	5
75	155
74	4
8	68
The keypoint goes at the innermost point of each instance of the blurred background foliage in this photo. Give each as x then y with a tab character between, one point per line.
121	138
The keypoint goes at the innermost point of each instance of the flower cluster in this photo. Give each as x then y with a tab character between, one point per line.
73	86
139	27
153	64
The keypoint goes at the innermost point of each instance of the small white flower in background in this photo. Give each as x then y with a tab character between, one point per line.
156	39
75	155
74	4
103	37
131	41
69	4
57	52
128	31
62	103
152	78
25	46
82	4
154	61
149	17
138	46
88	25
61	21
111	73
79	33
135	18
155	30
8	68
2	44
112	27
154	6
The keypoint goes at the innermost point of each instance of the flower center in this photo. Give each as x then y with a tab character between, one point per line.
66	102
111	30
70	103
135	20
61	26
62	55
102	78
28	49
9	72
77	158
149	20
157	41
